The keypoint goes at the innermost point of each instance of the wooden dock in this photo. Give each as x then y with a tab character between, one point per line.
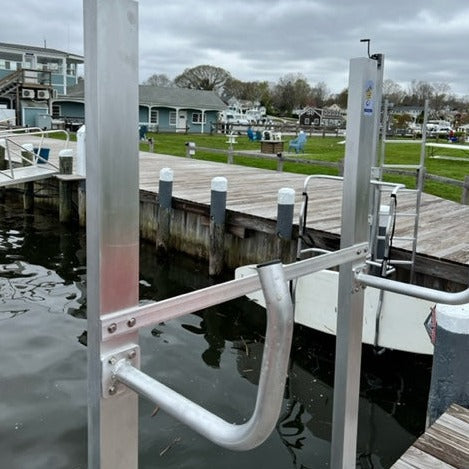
445	445
443	229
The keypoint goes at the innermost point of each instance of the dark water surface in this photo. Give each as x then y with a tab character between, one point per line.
212	357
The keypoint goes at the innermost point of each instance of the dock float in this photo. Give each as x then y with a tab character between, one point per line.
445	445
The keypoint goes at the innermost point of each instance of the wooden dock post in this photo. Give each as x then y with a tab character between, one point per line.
465	191
217	225
3	165
163	220
65	187
81	195
285	206
450	373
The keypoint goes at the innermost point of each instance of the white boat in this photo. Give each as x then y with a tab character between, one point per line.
390	320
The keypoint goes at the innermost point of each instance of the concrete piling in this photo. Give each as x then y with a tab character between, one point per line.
219	188
164	208
450	373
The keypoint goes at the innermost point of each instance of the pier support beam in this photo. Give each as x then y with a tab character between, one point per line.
28	196
81	196
217	225
165	196
450	373
3	165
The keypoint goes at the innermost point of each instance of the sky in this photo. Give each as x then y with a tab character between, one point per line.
258	40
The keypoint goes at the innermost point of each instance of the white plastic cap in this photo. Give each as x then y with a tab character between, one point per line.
166	174
219	184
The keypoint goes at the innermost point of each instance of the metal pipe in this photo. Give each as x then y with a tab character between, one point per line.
271	383
114	324
457	298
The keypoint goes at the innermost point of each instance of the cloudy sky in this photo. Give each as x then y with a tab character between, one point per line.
267	39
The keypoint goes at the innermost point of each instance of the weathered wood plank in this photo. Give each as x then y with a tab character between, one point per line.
417	459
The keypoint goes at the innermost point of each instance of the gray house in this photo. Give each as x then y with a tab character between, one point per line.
162	109
30	77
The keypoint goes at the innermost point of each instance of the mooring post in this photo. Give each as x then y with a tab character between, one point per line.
217	225
465	191
165	196
450	373
3	165
280	161
65	187
112	228
285	208
190	149
28	160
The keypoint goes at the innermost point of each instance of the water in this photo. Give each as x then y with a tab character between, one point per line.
212	357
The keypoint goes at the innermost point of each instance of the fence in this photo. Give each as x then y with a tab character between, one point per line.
191	149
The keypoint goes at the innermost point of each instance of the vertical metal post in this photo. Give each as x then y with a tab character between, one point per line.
219	187
365	82
111	113
165	197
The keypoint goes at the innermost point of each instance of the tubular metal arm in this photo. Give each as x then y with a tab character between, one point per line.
271	384
437	296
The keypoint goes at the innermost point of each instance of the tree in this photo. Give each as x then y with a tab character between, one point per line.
203	77
292	91
158	79
319	94
393	92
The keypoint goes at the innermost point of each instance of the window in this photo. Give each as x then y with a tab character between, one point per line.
153	115
197	118
172	117
56	111
307	121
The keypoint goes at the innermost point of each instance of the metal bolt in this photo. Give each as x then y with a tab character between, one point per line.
359	252
112	390
112	361
132	354
112	328
131	322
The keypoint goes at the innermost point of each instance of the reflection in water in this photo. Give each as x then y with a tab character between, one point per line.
212	357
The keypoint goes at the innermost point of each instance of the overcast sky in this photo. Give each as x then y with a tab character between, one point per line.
267	39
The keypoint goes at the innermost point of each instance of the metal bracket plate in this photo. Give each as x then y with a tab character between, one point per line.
110	387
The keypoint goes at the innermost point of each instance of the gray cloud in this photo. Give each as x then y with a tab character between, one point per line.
265	39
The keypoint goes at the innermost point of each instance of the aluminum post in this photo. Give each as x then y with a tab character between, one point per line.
363	113
111	114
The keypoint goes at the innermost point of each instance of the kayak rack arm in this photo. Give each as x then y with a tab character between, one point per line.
126	320
271	383
424	293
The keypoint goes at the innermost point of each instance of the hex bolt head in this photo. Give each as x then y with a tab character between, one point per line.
112	361
112	328
131	322
112	390
132	354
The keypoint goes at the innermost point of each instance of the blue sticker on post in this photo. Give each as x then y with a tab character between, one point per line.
368	107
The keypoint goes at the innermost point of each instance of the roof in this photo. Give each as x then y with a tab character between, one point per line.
165	97
181	97
43	50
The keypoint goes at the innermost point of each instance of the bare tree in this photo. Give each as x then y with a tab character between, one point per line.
203	77
159	79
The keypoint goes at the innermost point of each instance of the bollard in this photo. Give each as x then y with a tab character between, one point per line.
66	161
81	151
151	145
217	225
285	207
163	220
190	149
3	166
450	373
280	161
27	154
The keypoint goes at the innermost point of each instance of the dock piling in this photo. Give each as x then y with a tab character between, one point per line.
285	207
65	186
217	225
450	373
3	166
164	208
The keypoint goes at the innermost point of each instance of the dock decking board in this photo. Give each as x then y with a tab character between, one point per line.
444	445
443	230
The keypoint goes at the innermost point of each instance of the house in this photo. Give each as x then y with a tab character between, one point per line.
160	108
30	78
326	117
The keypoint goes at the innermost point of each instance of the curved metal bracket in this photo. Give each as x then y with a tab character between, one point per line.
271	383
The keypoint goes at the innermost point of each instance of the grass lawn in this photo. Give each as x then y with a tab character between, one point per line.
322	149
